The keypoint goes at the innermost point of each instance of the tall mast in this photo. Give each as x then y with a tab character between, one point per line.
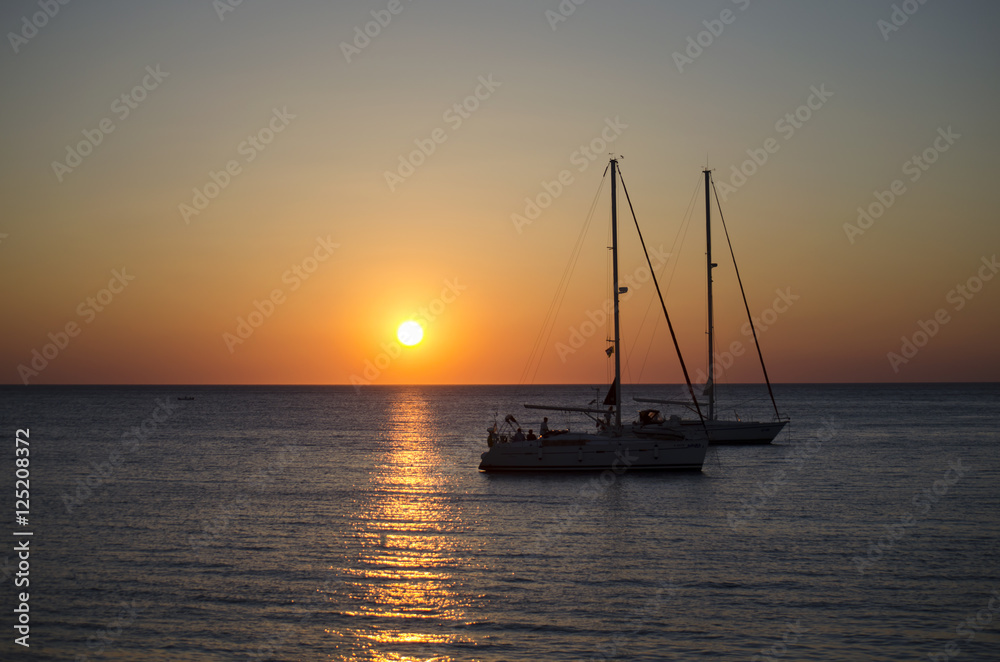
711	314
614	261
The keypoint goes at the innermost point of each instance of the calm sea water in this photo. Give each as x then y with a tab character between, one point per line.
320	524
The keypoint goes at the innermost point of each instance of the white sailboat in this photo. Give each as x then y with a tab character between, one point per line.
676	448
720	430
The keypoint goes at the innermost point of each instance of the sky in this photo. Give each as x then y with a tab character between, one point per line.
202	192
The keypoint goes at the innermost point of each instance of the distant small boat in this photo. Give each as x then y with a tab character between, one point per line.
676	447
185	397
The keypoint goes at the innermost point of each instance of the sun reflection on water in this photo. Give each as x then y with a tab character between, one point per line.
403	593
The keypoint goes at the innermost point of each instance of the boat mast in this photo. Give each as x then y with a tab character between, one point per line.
614	261
711	315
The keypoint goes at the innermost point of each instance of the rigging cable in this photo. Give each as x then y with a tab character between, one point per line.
535	357
663	305
673	259
745	304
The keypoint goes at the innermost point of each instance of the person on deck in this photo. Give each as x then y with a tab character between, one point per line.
518	436
544	430
531	435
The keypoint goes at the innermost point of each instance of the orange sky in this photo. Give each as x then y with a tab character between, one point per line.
296	142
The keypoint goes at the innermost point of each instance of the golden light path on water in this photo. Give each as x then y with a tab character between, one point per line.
403	595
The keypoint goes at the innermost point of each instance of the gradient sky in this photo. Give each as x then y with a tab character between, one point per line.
444	239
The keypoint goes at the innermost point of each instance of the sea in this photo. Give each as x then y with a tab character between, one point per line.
327	523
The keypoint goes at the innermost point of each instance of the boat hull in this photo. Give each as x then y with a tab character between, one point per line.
582	452
721	432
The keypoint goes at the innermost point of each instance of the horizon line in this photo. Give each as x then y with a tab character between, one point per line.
592	384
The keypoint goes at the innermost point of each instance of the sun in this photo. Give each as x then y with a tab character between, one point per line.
410	333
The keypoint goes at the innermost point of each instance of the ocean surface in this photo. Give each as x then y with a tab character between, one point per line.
309	523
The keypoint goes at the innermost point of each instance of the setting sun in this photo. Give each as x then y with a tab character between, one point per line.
410	333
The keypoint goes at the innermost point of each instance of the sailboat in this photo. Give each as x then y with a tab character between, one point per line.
720	430
677	447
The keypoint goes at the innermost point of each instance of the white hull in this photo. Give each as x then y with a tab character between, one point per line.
721	432
589	452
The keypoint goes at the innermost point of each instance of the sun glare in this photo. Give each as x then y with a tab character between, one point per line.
410	333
